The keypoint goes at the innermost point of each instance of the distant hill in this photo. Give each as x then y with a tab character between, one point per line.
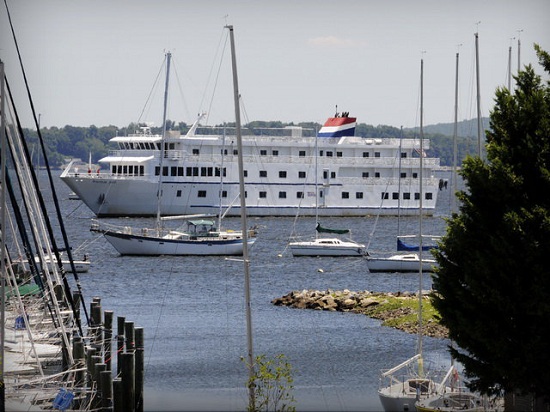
465	128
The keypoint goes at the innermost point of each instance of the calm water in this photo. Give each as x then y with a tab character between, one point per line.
193	312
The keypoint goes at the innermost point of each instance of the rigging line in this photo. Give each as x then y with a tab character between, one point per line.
223	34
153	88
180	88
217	78
162	306
52	186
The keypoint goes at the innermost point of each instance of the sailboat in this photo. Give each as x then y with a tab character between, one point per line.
406	262
339	126
401	390
200	237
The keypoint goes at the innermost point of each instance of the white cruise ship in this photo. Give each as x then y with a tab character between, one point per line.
332	174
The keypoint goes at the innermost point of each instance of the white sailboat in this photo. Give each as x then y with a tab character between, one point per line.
339	126
201	237
407	382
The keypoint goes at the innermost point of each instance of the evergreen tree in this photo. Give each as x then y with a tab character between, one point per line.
493	283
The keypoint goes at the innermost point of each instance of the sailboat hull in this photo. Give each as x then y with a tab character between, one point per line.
400	263
128	244
327	247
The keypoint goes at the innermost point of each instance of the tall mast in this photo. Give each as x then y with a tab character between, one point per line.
455	136
162	143
3	272
478	97
244	224
420	285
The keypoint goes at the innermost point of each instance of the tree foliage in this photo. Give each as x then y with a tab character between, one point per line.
493	283
273	385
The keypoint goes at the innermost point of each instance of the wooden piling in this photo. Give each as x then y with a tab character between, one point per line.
128	381
130	336
106	387
139	368
108	336
120	341
118	397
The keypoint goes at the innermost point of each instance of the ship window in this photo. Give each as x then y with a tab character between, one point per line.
395	195
429	196
320	153
359	195
235	152
417	196
158	146
329	153
180	171
224	151
365	175
178	193
376	154
403	175
263	173
403	155
406	196
245	173
113	169
203	171
157	170
275	153
201	193
320	193
217	172
263	152
299	195
376	174
263	195
302	175
141	170
173	171
119	169
345	195
189	171
196	151
282	174
131	169
224	193
365	154
210	171
325	174
332	175
125	169
338	154
195	171
385	195
415	175
282	195
302	153
165	170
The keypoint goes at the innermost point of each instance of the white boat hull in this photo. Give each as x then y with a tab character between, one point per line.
128	244
327	247
400	263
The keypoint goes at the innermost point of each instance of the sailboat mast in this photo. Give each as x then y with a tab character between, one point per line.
478	97
399	185
3	272
244	225
455	137
420	285
162	148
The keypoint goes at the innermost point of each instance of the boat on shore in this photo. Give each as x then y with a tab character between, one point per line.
356	176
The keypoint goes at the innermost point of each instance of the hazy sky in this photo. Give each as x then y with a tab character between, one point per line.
95	62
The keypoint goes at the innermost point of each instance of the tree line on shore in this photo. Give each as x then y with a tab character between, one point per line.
81	142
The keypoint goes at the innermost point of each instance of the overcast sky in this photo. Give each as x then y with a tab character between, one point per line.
95	62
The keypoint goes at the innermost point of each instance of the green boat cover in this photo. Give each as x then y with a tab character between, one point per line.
321	229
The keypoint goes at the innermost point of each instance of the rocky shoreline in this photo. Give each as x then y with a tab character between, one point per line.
398	310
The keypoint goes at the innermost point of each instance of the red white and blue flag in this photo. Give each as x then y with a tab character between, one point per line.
338	127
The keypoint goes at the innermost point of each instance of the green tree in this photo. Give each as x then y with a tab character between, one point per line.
273	385
493	284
